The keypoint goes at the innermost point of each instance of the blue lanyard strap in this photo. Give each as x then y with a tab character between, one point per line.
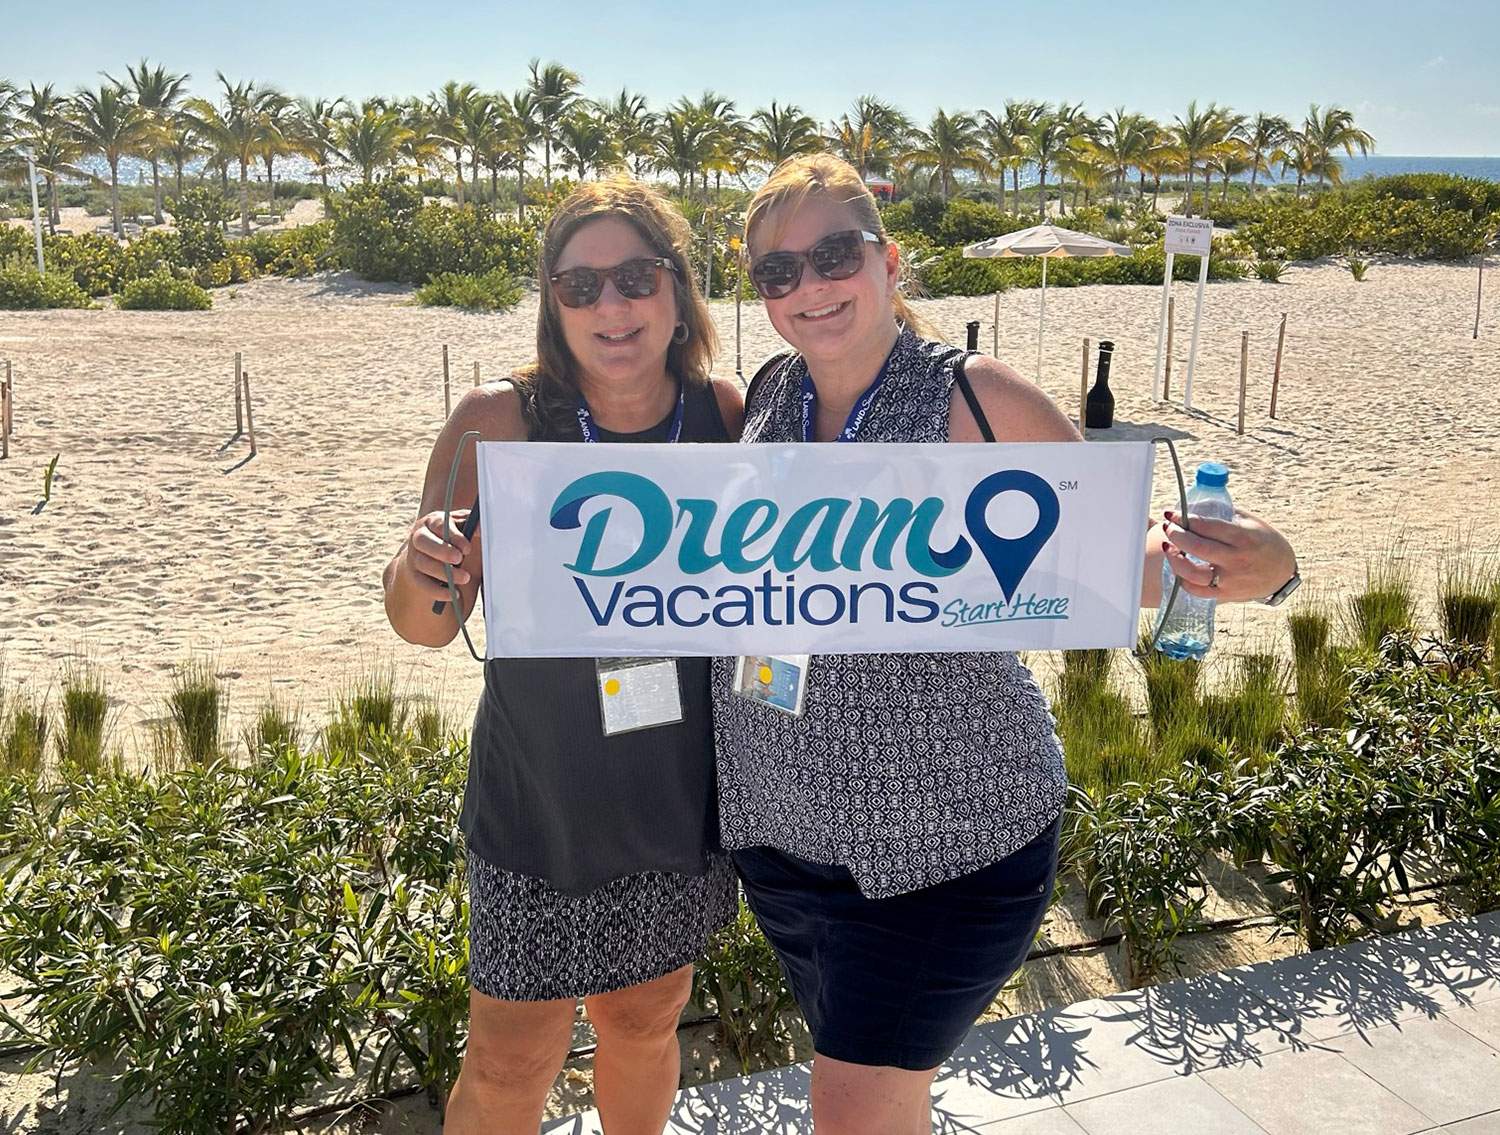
590	431
856	418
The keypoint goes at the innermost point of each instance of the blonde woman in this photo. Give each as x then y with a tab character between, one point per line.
898	840
593	862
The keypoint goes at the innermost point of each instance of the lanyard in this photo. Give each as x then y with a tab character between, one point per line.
590	431
850	432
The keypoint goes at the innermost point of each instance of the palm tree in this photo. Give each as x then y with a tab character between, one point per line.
313	133
157	93
372	138
421	144
679	143
278	128
1229	158
584	140
1007	142
238	129
1265	134
722	138
1050	136
1328	131
1088	163
107	121
633	126
525	129
781	132
483	120
555	89
181	146
1125	138
45	128
1295	153
1162	157
870	136
949	145
447	108
1197	134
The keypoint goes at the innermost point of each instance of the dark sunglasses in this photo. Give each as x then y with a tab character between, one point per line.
634	279
836	257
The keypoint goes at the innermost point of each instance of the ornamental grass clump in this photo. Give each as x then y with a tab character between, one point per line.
1388	602
196	709
85	712
1102	742
23	736
366	709
1468	594
276	728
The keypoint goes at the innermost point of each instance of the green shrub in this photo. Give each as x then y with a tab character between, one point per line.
17	248
741	980
298	251
1358	268
163	292
200	216
494	291
952	275
24	289
96	261
1270	270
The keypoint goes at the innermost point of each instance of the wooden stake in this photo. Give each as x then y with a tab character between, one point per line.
1083	389
476	372
1244	370
239	412
5	413
447	391
1276	376
1166	382
249	416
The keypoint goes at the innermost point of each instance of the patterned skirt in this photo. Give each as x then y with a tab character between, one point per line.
529	942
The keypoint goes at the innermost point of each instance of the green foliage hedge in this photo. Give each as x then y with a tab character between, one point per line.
25	288
385	232
163	291
494	291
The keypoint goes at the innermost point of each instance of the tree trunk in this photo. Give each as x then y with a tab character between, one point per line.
458	173
1189	205
1155	192
54	216
474	171
270	186
494	188
1041	191
1015	181
521	190
179	179
156	182
547	159
114	194
1254	171
244	197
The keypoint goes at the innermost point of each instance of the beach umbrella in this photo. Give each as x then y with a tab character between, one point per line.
1045	241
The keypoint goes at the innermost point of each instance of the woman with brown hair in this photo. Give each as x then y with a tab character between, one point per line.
897	840
593	861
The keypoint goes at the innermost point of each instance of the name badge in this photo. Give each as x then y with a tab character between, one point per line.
776	680
638	693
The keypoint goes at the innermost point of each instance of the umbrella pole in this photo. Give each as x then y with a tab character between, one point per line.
995	341
1041	322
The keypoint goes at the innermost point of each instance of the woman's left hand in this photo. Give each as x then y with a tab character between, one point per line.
1245	558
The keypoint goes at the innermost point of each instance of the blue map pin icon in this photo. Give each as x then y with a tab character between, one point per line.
1010	559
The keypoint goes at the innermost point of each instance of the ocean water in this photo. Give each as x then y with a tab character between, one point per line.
1384	165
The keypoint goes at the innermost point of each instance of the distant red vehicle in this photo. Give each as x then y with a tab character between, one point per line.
882	189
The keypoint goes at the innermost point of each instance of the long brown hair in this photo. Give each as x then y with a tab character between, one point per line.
798	178
549	386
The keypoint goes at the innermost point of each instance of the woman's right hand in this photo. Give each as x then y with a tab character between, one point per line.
427	551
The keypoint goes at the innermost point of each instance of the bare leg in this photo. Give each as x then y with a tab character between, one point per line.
639	1062
515	1051
856	1099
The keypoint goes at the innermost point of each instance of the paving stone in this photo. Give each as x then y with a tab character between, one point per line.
1314	1092
1053	1121
777	1102
981	1084
1129	1039
1433	1065
1182	1106
1479	1125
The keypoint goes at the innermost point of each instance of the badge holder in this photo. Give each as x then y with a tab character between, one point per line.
776	680
637	693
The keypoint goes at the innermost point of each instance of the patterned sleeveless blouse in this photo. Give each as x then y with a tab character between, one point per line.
907	769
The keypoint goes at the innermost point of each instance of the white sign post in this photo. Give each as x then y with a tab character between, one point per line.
36	216
1193	236
651	550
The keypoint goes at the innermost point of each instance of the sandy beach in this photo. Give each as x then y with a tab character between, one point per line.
161	540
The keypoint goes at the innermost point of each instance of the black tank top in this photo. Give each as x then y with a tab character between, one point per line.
550	796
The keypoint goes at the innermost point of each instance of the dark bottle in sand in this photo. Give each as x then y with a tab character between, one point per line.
1100	408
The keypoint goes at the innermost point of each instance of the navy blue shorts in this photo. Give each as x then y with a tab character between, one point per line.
898	982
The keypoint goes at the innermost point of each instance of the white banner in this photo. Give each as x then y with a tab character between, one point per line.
603	550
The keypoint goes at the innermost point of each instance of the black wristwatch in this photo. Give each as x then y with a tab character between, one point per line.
1279	596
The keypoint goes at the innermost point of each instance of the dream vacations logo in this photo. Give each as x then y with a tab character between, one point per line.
822	536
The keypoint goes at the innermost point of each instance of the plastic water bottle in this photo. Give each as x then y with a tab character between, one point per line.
1188	630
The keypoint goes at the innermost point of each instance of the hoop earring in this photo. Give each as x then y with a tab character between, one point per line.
681	333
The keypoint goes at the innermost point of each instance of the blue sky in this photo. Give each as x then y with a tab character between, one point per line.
1415	75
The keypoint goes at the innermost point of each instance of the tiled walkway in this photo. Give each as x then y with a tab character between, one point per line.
1387	1037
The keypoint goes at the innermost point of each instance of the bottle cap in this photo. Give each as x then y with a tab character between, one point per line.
1212	475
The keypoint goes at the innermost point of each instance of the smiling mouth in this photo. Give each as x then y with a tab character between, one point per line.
617	336
820	313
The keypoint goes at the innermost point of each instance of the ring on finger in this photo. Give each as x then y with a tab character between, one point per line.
1213	576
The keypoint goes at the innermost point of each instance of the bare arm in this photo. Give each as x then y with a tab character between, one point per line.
731	402
414	579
